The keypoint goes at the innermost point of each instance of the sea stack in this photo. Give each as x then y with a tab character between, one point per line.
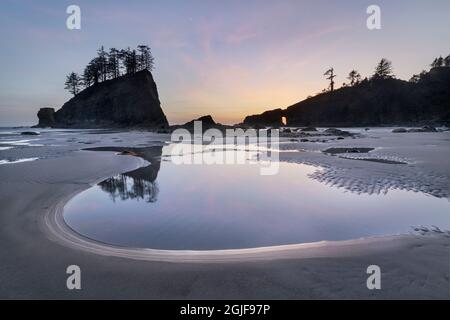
130	101
46	117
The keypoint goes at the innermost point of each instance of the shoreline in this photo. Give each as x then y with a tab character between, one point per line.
34	261
57	229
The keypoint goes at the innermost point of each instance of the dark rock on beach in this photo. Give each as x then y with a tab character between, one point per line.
336	132
412	130
207	123
309	129
29	133
423	129
347	150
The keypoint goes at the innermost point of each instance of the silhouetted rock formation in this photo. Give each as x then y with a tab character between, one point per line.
129	101
46	117
270	118
207	123
371	103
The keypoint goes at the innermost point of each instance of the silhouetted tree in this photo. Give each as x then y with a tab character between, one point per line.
109	65
447	61
383	70
129	59
354	77
434	64
417	77
133	61
92	71
330	76
88	77
145	58
102	61
73	83
438	62
113	63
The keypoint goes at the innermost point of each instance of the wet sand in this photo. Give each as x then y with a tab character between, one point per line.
35	256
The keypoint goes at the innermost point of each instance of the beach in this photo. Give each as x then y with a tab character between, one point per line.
36	247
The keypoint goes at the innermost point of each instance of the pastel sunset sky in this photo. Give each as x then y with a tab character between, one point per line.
226	58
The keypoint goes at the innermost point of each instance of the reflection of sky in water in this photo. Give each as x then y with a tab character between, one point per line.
17	160
23	142
233	206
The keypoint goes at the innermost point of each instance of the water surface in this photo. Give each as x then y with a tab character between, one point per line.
204	207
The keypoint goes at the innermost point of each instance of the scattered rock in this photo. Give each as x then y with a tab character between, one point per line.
309	129
340	138
129	153
423	129
337	132
304	140
347	150
429	129
385	161
29	133
207	122
412	130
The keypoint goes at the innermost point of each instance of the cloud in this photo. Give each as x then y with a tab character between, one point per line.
241	35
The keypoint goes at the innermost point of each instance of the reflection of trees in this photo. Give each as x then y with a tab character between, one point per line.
125	187
137	184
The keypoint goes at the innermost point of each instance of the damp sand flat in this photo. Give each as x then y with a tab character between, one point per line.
34	263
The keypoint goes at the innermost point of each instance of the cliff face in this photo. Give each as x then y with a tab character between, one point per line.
128	101
371	103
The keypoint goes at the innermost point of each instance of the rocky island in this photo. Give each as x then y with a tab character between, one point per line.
111	99
128	101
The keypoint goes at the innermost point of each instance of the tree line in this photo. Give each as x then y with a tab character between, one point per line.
383	70
111	65
437	63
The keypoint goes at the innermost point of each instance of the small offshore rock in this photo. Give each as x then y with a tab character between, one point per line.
29	133
309	129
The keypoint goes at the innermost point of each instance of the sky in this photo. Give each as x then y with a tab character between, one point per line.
226	58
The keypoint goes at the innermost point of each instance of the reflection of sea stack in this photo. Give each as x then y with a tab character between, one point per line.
139	183
128	101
